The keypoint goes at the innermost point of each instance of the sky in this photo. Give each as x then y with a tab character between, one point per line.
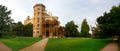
66	10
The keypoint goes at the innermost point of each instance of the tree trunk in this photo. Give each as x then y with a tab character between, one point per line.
0	35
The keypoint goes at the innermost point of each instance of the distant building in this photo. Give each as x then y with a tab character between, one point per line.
44	24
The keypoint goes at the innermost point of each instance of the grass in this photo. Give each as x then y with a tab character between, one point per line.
19	42
76	44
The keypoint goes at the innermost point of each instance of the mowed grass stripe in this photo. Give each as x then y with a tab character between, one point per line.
76	44
19	42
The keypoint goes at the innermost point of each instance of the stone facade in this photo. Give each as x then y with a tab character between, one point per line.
44	23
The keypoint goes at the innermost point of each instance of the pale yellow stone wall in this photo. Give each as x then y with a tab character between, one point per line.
28	20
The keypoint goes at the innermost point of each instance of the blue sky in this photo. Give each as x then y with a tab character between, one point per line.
66	10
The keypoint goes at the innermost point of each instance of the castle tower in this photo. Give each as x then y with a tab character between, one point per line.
44	23
39	9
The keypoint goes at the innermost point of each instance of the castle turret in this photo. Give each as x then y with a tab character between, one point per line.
39	9
27	21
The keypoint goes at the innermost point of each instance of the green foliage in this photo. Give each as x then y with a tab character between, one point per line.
22	30
8	28
76	44
85	29
19	42
5	20
28	29
18	29
71	29
109	23
95	31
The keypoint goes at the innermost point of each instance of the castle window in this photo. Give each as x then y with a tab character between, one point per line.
33	26
42	14
38	20
47	25
43	9
38	8
37	31
37	25
38	13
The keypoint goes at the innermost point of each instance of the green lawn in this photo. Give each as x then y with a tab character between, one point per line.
19	42
76	44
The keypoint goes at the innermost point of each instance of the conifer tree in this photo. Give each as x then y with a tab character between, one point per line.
85	29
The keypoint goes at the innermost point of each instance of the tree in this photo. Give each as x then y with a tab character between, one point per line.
18	29
95	31
109	23
71	29
28	30
5	20
84	29
22	30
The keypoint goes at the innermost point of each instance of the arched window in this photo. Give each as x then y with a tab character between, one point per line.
38	20
38	8
37	31
38	25
47	25
38	13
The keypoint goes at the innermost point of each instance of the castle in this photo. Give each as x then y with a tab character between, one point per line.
44	24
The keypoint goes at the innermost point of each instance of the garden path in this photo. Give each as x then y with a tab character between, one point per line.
112	46
38	46
4	47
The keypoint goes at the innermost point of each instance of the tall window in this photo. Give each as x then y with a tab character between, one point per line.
38	13
37	31
43	9
33	25
38	20
47	25
38	8
37	25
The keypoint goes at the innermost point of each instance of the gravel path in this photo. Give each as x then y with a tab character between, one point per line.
113	46
39	46
4	47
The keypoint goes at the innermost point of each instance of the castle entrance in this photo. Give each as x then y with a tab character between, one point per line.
47	33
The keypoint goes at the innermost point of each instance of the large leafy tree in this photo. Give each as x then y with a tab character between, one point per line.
109	23
18	29
71	29
85	29
28	30
22	30
5	20
95	31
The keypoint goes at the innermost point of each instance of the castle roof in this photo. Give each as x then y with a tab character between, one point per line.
38	5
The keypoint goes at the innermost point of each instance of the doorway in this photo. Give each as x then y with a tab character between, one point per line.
47	33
